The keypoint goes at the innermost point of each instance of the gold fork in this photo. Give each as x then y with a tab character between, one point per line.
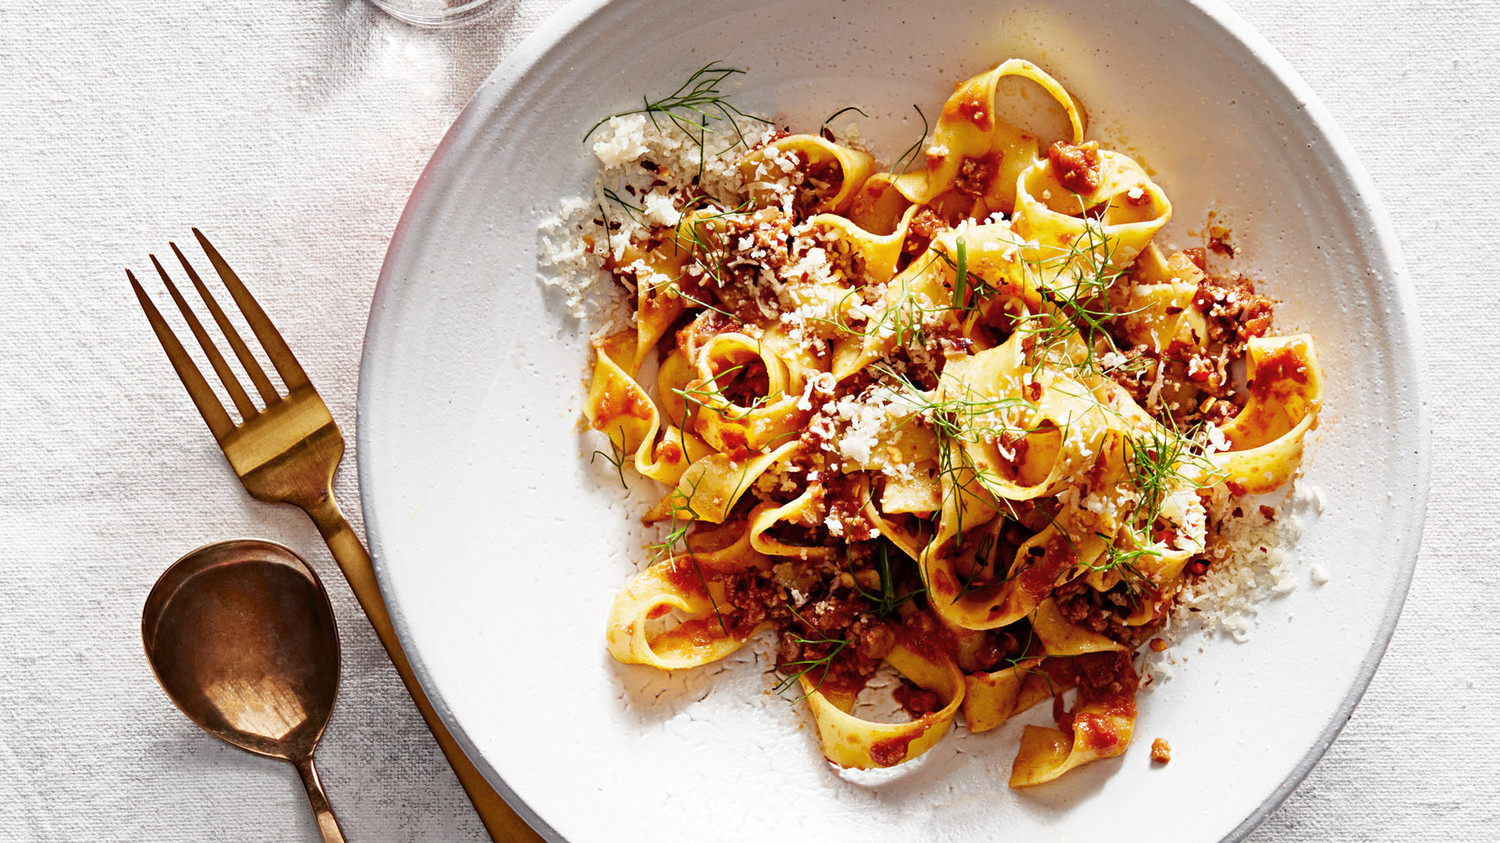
287	452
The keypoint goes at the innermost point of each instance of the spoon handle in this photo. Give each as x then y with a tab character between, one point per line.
327	822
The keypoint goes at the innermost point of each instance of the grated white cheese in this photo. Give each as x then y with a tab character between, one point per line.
660	209
867	422
1253	562
574	244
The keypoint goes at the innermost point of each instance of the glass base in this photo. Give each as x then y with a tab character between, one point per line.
438	13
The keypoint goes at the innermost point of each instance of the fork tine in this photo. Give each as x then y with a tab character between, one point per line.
270	339
198	389
226	376
252	366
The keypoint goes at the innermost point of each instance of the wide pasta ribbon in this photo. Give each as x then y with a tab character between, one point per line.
772	416
877	254
1266	438
1016	436
805	510
850	741
993	697
710	487
669	615
1100	726
1158	315
969	142
618	405
1061	637
909	535
927	296
1079	236
834	172
658	295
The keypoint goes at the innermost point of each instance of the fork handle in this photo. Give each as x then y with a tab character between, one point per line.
502	823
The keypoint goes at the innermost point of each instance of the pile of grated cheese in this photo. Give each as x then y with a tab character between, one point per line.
575	243
1252	562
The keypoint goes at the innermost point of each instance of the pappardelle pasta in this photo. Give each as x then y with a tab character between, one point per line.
964	419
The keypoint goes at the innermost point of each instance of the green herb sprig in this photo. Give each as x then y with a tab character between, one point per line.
615	457
822	664
845	110
693	106
710	396
909	157
886	600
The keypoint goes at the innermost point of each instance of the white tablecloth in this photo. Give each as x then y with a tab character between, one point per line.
292	133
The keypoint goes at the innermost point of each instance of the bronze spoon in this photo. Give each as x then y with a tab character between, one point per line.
241	636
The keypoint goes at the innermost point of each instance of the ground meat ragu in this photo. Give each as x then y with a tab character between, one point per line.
1076	168
915	700
1161	751
751	598
1234	311
975	174
1196	380
838	631
924	225
814	181
1103	612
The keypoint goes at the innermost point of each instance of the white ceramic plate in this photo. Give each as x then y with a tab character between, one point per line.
499	547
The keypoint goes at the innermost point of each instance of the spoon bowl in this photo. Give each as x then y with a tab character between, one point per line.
241	636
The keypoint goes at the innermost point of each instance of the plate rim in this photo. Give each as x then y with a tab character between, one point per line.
1212	13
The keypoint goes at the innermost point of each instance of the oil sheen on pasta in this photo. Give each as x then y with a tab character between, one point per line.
965	420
